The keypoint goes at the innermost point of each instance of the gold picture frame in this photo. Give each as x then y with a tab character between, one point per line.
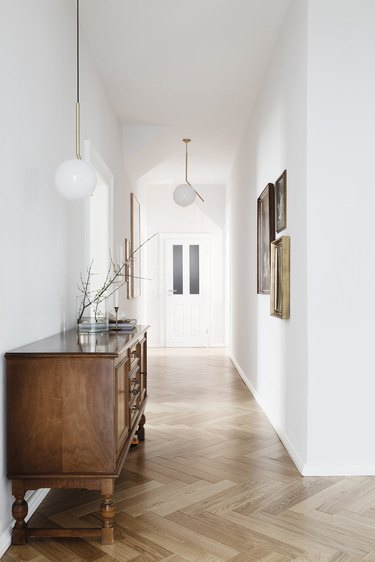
280	278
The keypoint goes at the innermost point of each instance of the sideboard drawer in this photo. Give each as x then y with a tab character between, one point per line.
133	356
122	411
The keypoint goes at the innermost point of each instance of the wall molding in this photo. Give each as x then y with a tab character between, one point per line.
33	502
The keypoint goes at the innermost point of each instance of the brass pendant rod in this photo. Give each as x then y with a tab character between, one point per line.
78	111
199	195
186	141
78	131
186	160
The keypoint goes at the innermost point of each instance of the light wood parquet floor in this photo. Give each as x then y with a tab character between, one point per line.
211	483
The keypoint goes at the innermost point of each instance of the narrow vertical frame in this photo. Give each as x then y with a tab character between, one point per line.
280	203
135	242
128	268
266	234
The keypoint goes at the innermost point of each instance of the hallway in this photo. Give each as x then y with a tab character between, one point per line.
212	483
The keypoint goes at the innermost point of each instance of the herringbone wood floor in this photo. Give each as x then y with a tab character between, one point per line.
211	483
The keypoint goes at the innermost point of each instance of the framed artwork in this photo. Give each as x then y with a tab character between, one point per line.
128	269
266	233
280	202
280	278
135	242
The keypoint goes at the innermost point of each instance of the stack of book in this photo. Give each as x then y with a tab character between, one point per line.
126	325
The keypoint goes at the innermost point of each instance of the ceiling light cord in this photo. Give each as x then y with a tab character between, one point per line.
78	110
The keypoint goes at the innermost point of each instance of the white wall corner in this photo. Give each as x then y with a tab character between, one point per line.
305	468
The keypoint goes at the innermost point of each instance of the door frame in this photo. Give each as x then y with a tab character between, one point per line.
163	236
93	156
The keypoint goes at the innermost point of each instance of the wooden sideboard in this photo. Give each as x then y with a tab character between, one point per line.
74	404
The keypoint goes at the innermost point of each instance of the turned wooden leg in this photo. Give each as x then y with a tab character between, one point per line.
19	512
141	428
107	512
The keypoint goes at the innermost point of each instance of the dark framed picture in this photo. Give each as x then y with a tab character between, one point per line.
280	278
280	202
135	242
266	233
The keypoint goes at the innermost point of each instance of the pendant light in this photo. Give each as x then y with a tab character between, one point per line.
185	194
75	178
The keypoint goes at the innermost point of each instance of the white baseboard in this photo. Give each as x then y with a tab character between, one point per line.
337	470
283	438
34	499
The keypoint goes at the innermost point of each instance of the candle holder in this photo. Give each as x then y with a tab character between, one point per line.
114	324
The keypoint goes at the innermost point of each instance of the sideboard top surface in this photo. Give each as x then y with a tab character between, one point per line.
72	343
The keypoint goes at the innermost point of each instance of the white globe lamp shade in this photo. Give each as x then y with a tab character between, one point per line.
75	179
184	195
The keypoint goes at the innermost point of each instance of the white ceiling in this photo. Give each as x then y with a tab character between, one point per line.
182	68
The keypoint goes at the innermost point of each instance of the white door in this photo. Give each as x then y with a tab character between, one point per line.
187	304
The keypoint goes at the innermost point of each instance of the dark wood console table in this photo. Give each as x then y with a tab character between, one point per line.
74	403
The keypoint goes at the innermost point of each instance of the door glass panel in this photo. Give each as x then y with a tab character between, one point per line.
177	270
194	269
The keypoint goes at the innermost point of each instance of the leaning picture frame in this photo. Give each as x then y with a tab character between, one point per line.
266	234
280	278
280	203
135	242
128	269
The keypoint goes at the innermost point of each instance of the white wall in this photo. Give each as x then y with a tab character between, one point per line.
314	116
164	216
41	235
341	264
271	354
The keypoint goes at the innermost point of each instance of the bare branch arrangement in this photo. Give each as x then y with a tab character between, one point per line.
116	276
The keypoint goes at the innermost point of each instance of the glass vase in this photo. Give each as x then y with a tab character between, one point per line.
92	318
